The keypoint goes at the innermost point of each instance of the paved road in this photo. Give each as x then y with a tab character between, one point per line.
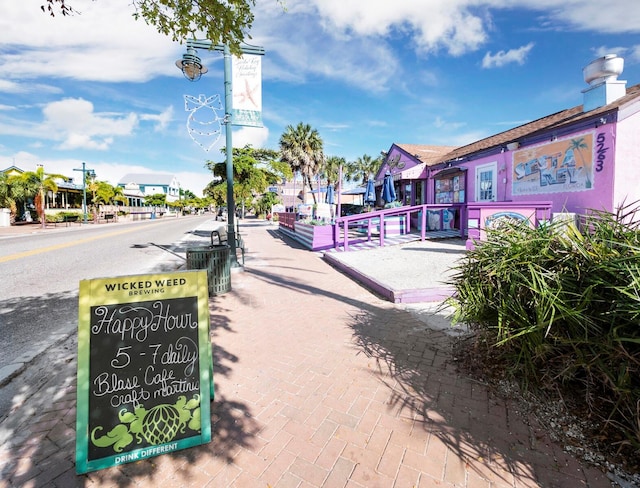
41	271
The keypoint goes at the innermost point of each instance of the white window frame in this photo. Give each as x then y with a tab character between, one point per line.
486	168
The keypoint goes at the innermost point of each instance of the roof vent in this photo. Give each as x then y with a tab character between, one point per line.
604	86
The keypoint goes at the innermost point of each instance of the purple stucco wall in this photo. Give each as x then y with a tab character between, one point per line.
626	188
574	173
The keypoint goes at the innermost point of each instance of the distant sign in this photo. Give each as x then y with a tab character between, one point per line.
144	367
273	189
305	209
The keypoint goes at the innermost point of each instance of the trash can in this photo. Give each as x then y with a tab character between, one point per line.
5	217
216	260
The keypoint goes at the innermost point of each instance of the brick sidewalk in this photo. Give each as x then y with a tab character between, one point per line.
318	383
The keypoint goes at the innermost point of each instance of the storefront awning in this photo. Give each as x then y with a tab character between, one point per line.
450	171
413	173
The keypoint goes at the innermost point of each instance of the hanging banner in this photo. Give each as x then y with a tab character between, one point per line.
144	368
247	90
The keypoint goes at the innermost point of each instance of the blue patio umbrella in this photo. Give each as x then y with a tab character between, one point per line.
370	193
329	196
388	191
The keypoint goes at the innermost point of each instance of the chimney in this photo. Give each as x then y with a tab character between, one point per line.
604	86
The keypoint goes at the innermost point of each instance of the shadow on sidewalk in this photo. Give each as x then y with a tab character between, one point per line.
416	367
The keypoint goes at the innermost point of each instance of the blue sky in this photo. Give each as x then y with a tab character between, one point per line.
102	88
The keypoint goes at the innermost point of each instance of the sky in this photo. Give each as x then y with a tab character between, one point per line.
102	88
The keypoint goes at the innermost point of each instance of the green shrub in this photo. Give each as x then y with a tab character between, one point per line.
561	308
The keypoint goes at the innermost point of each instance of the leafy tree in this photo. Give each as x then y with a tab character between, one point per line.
103	193
253	171
362	168
7	199
221	21
36	184
186	194
266	201
302	148
156	200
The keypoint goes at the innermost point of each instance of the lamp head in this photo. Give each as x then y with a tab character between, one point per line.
191	66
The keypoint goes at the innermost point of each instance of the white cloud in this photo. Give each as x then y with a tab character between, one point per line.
502	58
162	119
613	16
433	24
630	53
341	39
102	43
350	40
74	122
8	86
255	136
440	123
308	51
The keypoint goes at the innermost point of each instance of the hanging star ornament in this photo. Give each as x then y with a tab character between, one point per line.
204	122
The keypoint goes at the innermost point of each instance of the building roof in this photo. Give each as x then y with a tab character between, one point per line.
11	169
147	179
429	155
551	123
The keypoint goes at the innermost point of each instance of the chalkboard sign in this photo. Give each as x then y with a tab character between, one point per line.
144	367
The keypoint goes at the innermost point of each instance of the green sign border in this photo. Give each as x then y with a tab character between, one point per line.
93	293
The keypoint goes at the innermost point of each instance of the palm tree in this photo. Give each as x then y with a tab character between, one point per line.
118	196
103	193
302	148
36	184
331	168
362	169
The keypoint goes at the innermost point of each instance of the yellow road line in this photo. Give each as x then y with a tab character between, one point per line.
33	252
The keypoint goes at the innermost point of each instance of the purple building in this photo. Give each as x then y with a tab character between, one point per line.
582	158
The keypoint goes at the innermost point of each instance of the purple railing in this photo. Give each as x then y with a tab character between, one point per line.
287	219
464	220
393	221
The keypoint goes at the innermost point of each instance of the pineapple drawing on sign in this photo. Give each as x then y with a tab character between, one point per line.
204	122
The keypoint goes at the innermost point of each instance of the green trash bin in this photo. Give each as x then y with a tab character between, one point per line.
216	260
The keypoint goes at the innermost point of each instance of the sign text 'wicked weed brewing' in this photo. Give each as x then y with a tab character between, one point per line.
144	367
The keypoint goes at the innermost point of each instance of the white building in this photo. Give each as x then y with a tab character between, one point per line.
145	184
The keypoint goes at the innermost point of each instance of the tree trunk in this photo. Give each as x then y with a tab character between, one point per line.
39	202
309	182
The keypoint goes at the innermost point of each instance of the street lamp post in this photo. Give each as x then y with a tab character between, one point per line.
193	69
84	188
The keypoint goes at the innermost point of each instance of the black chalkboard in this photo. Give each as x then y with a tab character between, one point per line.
144	367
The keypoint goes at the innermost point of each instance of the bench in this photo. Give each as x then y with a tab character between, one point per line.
109	217
67	220
221	236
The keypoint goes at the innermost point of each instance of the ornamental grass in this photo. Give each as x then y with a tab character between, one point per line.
557	308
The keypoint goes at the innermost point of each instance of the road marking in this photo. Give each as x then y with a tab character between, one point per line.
33	252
